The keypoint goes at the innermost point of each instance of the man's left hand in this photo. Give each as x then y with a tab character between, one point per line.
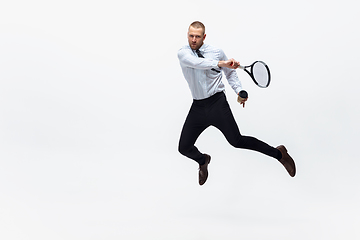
242	101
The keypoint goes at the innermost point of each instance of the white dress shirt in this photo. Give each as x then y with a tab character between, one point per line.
204	82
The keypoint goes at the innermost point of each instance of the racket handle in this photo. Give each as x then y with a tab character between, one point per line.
241	67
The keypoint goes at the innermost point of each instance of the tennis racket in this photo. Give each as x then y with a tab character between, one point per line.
259	73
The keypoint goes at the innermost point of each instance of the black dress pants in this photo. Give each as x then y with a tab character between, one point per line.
215	111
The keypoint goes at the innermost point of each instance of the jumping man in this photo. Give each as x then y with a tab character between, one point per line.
202	66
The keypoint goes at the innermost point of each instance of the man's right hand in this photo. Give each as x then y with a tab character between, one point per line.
230	63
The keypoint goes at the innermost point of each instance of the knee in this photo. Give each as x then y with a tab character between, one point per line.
182	148
239	142
185	148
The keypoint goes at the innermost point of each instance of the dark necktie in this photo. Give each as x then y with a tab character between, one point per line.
201	56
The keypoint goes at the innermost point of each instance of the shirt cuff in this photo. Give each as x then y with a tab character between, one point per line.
237	90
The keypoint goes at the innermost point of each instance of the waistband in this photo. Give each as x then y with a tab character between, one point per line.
209	100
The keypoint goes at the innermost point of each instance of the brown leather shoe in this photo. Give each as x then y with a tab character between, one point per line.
203	171
287	161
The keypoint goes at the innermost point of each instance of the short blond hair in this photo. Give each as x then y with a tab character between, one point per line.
198	24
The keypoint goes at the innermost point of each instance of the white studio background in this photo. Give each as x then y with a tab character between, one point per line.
92	103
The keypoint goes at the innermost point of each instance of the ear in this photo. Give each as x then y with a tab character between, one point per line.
204	37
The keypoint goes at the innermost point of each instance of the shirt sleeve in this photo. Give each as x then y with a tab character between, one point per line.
188	59
232	77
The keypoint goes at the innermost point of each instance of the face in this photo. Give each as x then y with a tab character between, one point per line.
196	37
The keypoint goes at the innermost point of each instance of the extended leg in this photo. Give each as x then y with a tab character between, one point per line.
223	119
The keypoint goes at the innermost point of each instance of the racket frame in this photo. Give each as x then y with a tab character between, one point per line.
245	68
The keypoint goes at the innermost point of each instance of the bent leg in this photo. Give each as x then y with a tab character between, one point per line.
194	125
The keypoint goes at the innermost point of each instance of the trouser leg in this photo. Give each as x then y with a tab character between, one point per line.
223	119
194	125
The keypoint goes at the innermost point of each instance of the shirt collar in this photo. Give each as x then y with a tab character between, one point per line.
201	49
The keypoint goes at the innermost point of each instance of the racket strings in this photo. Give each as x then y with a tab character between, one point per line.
261	74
